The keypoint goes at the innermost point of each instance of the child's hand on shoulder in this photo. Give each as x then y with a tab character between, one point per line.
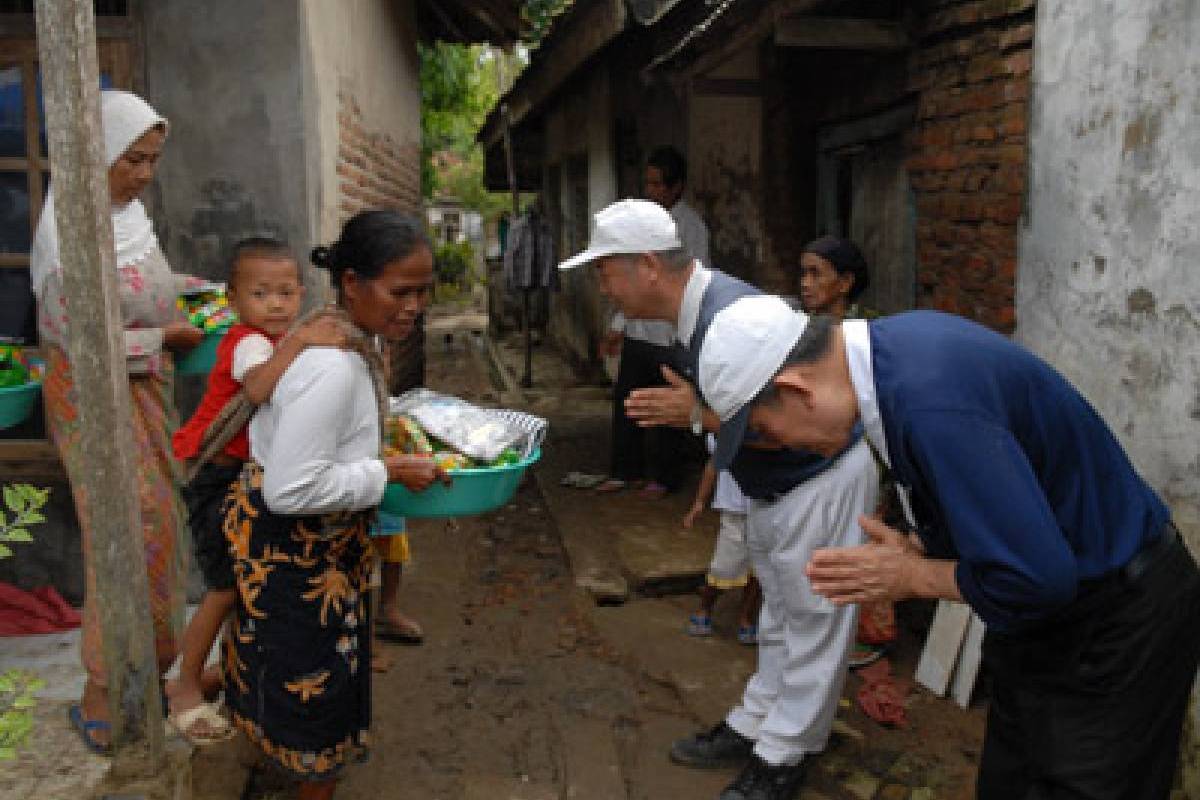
321	331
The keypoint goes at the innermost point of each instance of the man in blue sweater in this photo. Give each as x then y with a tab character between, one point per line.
1026	508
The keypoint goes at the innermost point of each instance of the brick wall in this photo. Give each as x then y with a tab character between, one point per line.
373	170
967	153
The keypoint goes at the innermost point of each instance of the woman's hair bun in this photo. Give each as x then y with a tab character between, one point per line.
321	256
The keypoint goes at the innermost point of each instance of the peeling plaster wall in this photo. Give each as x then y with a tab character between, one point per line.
725	169
580	133
230	83
1108	288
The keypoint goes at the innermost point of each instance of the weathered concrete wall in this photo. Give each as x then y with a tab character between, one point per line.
1108	289
363	106
231	84
579	143
725	172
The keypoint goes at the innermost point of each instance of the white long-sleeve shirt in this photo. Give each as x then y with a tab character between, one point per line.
317	439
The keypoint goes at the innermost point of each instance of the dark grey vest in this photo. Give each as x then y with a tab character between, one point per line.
760	474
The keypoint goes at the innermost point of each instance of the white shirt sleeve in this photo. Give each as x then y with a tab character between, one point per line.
317	410
252	351
617	325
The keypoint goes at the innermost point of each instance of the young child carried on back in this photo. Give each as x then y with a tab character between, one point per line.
265	290
730	566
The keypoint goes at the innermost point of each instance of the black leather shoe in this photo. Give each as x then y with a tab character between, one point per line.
761	781
720	747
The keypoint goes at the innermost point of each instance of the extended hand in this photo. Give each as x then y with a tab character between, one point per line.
181	336
666	405
689	519
882	569
417	473
321	331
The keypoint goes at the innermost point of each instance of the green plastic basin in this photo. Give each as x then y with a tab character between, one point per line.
472	491
200	359
17	402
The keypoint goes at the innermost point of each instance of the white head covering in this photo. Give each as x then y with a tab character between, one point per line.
124	117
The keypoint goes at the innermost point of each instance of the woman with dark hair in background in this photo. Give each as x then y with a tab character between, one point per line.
833	275
297	668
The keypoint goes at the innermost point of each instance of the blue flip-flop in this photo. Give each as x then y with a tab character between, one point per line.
85	728
699	625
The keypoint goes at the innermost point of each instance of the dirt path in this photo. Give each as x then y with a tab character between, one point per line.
526	690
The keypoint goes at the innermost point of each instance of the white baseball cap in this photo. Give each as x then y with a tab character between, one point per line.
743	350
627	227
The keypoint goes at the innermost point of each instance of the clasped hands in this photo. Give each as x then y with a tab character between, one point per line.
888	567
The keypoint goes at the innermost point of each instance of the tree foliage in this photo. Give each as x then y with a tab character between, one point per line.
460	85
540	15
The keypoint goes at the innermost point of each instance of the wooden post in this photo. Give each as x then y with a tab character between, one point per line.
66	32
506	128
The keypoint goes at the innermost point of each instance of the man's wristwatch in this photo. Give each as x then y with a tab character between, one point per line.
697	418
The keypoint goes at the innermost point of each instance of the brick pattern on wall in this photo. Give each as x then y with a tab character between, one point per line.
967	154
374	171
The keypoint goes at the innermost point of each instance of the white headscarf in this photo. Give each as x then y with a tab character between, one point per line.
124	117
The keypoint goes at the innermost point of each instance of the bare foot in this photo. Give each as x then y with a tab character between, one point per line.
94	708
397	626
183	695
212	681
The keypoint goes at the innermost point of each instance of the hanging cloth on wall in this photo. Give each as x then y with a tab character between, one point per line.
530	261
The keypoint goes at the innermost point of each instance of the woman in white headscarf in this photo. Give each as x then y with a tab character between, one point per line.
134	134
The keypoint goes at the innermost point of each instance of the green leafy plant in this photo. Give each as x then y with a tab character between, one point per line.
452	262
25	503
17	687
18	690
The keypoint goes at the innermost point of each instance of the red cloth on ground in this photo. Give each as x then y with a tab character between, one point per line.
881	696
40	611
877	623
221	388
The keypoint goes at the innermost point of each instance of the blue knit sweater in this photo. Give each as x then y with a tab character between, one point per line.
1012	472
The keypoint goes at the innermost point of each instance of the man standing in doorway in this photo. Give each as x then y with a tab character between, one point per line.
644	347
665	179
1027	509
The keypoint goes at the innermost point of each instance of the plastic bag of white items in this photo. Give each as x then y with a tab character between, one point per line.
481	433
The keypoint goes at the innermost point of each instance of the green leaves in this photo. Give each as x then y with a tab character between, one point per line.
18	690
24	502
460	85
540	15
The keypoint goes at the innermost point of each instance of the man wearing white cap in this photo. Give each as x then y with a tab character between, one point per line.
1027	509
798	501
644	346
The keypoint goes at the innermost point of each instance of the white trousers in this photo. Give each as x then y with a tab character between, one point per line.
804	640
